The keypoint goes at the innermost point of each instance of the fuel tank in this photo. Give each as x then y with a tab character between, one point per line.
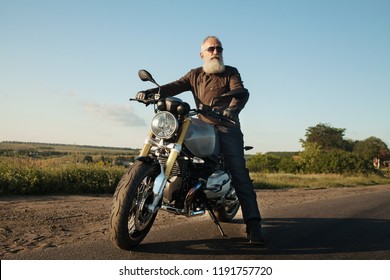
202	139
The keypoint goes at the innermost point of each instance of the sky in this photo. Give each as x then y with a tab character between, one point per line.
68	68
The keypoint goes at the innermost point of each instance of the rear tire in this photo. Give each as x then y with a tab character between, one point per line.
228	209
130	220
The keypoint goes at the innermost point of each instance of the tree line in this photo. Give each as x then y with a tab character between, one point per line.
325	150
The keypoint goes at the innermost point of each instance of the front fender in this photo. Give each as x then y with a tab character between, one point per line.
147	159
150	161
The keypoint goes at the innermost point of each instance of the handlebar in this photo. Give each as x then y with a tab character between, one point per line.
147	102
216	114
237	93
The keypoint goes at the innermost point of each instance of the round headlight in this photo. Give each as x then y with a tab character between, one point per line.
164	125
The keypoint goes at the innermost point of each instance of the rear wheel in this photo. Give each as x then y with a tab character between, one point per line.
228	208
130	219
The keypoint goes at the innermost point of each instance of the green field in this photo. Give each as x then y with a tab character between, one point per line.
38	168
54	150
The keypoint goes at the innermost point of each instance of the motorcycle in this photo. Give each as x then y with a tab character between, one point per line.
179	169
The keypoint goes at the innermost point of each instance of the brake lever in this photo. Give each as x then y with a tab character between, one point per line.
146	102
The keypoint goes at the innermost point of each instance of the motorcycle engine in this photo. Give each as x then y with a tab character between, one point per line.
218	184
171	189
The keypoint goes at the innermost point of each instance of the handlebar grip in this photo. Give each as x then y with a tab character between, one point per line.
147	102
215	114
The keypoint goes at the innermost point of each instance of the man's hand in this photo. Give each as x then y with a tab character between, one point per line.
144	95
231	114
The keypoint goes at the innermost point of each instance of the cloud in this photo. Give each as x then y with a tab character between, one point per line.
117	114
72	94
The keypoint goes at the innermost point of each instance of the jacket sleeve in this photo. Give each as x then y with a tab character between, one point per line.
241	98
171	89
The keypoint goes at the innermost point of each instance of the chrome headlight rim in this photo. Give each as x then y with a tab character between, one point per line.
164	125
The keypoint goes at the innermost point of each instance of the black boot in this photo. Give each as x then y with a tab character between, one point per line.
253	231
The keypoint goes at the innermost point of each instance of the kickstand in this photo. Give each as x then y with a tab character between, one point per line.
215	220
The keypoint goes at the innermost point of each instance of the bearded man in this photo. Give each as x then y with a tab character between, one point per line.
207	84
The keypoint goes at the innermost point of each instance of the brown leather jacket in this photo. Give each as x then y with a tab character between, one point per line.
207	87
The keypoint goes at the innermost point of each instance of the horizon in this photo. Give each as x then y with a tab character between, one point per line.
108	147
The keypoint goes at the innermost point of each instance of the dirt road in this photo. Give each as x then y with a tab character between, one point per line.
33	223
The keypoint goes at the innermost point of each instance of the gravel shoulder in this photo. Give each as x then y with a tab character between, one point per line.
30	223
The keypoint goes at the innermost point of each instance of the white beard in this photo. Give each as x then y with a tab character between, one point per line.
213	66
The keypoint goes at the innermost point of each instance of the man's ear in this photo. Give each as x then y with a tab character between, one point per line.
201	55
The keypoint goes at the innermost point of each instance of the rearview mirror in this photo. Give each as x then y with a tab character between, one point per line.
146	76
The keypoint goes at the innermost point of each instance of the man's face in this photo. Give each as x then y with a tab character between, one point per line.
211	55
212	49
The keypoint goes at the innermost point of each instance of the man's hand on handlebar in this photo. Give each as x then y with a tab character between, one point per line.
230	113
144	95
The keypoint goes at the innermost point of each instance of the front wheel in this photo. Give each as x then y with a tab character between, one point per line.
130	220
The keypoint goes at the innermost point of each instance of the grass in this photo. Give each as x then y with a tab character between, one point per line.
27	168
56	176
281	180
65	175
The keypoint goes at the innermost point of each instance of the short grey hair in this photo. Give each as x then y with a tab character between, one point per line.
208	38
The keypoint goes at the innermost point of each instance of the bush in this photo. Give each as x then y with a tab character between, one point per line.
313	160
290	165
271	163
335	161
264	163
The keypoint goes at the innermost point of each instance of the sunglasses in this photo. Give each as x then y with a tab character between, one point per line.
212	49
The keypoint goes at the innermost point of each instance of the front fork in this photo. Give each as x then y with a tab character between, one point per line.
162	178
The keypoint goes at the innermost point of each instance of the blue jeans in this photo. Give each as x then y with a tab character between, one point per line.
232	148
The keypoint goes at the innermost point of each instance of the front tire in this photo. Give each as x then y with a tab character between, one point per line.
130	220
